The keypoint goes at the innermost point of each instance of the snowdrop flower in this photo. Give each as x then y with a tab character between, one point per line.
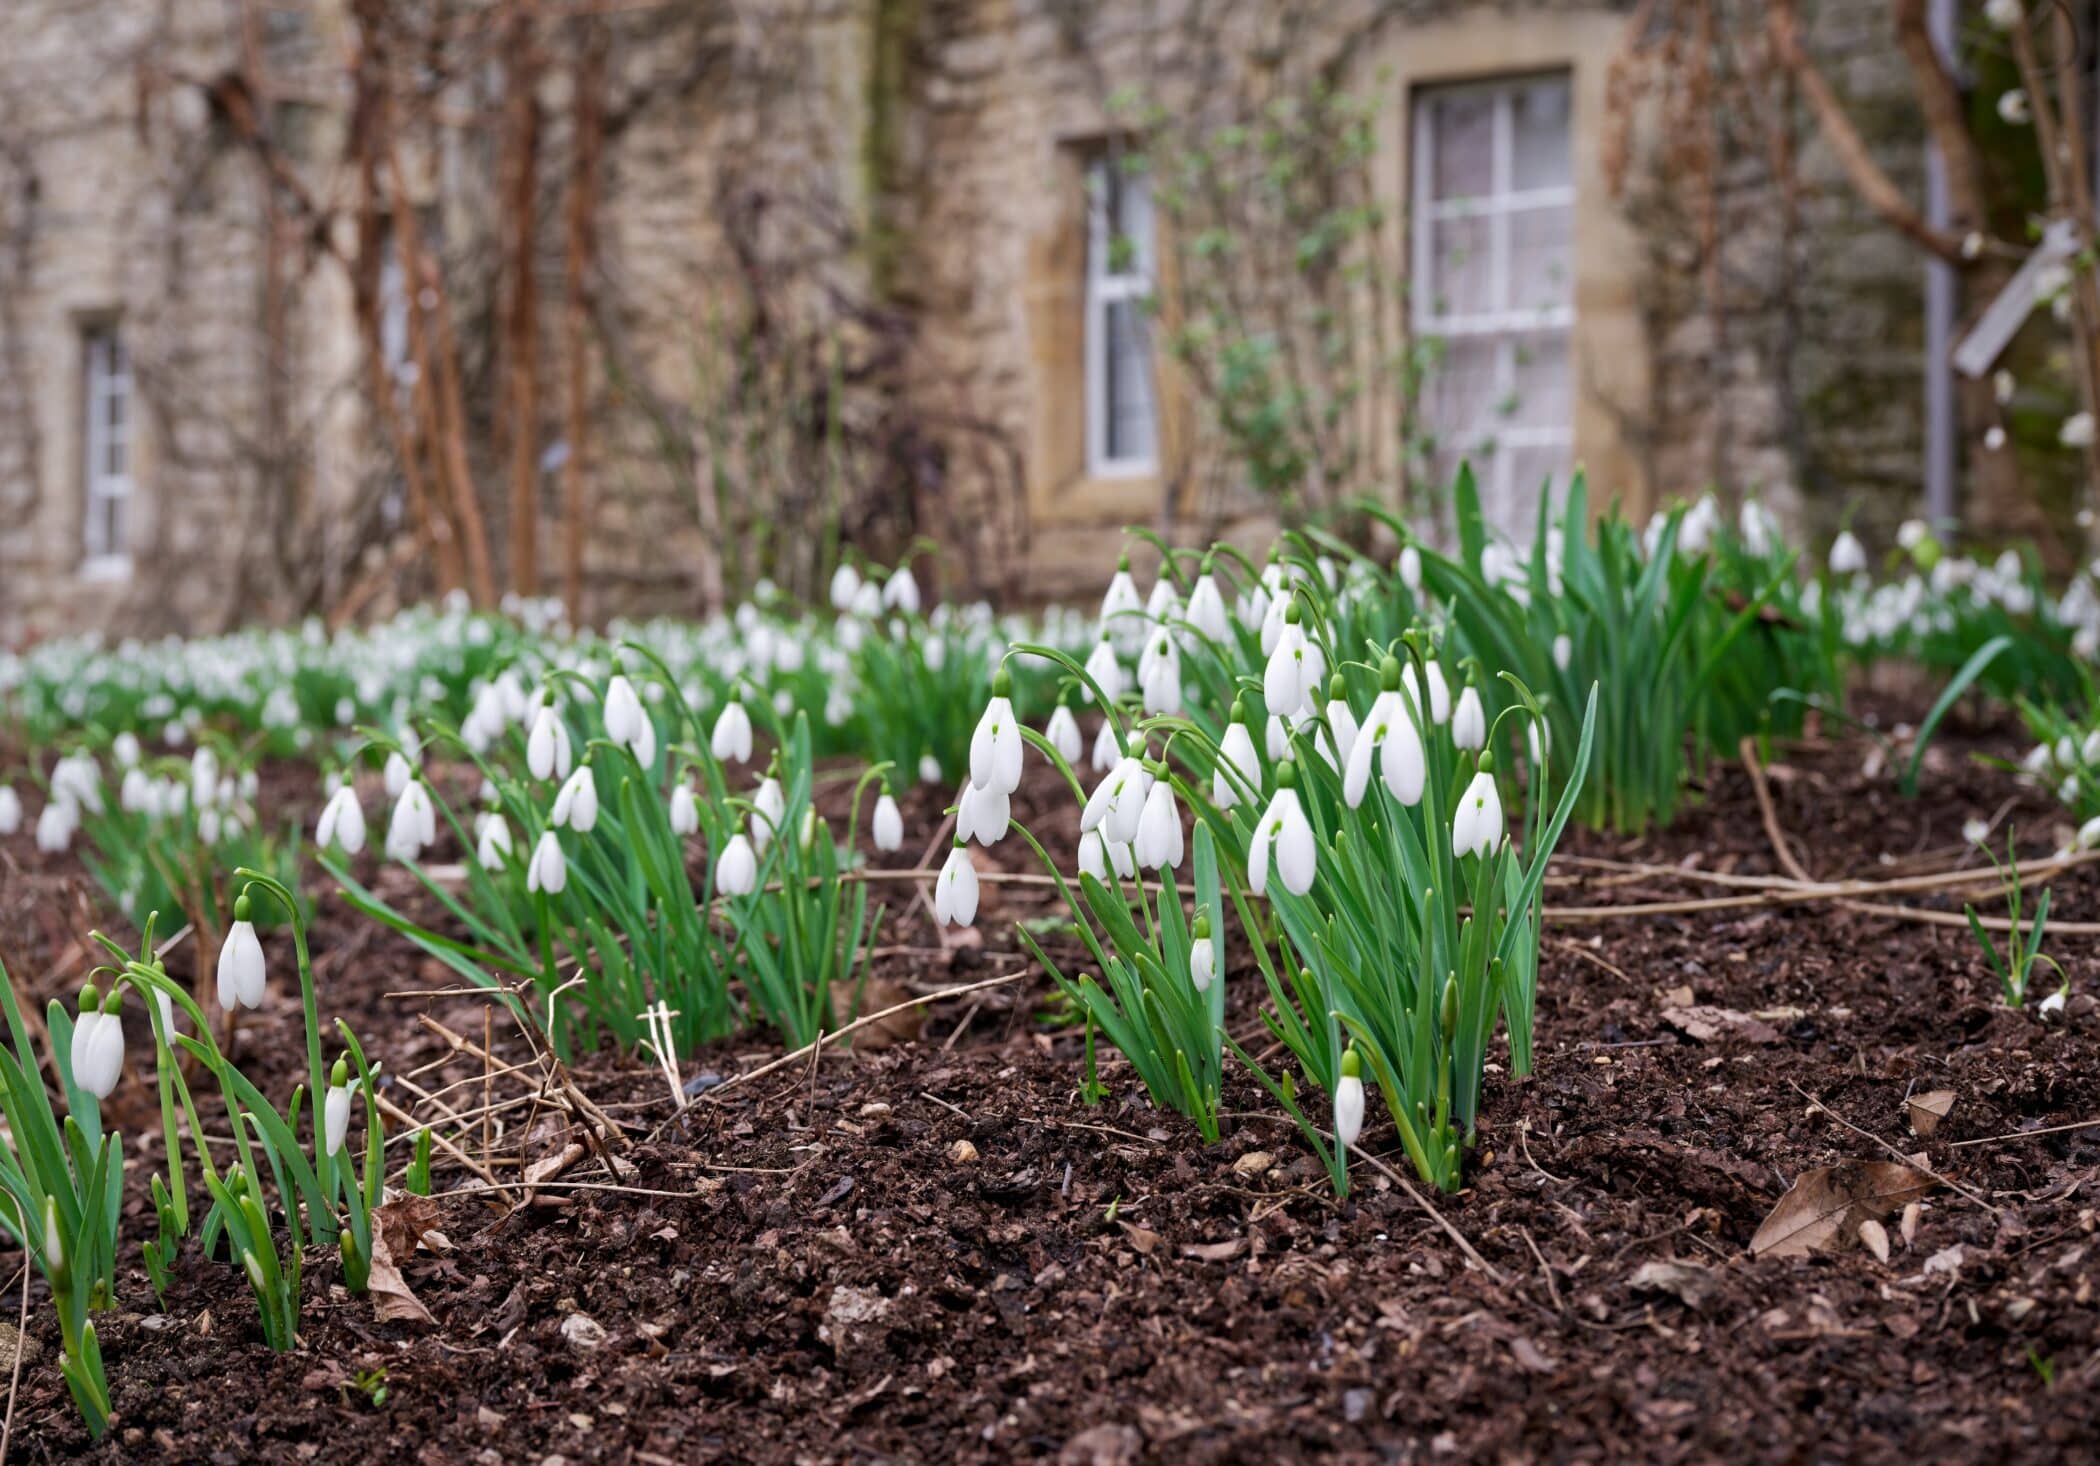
1235	749
85	1022
1389	732
1093	856
901	591
412	828
335	1110
1476	826
2003	384
1122	618
2088	837
76	782
98	1064
1847	555
10	810
1469	720
55	826
241	975
2053	1005
1349	1100
1159	676
2013	108
125	748
929	769
2004	14
548	870
1296	668
995	746
136	793
398	772
204	777
1118	801
1203	955
685	811
1411	569
955	892
731	741
736	873
1758	529
769	807
1206	609
342	822
1162	605
2077	431
1276	738
1106	668
1285	831
623	709
887	825
982	814
1062	733
1563	650
1158	844
845	585
1338	740
1108	750
494	845
1994	439
576	806
547	752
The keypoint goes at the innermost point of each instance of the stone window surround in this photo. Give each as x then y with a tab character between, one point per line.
105	565
1608	347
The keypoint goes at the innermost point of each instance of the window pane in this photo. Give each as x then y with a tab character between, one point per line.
1461	271
1133	221
1461	390
1540	145
1463	133
1530	470
1540	268
1540	397
1129	391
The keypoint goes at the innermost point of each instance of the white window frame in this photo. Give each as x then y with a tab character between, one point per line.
106	377
1499	206
1104	288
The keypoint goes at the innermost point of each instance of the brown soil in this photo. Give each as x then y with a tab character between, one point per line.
931	1249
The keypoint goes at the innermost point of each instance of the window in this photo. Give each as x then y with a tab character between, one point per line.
1493	217
1121	420
106	462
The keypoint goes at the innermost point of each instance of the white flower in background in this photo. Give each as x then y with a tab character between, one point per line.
955	890
1390	734
1439	691
398	772
208	826
1972	245
1108	750
1975	831
1118	801
1285	832
1062	734
1349	1100
493	846
1159	676
1122	612
125	749
736	873
982	814
1203	955
995	745
1235	749
1847	555
1158	843
547	752
204	777
1296	669
769	808
576	806
2002	385
55	826
10	810
1994	439
1162	605
1469	727
887	824
1476	826
845	585
685	811
901	591
1759	530
1563	650
1106	668
1338	739
1093	856
1276	738
135	795
2088	837
412	827
1272	623
2004	14
2013	108
1411	569
548	870
929	769
2077	431
76	781
623	709
241	974
342	822
1206	610
1912	533
731	741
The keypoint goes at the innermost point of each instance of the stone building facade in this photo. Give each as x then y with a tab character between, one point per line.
919	183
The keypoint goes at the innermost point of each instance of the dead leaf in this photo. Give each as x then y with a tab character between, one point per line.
1703	1023
1694	1286
392	1298
962	1153
1876	1237
881	993
1927	1110
1946	1260
1214	1251
1677	997
1530	1358
1909	1225
1144	1239
583	1332
1831	1201
406	1220
1252	1164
